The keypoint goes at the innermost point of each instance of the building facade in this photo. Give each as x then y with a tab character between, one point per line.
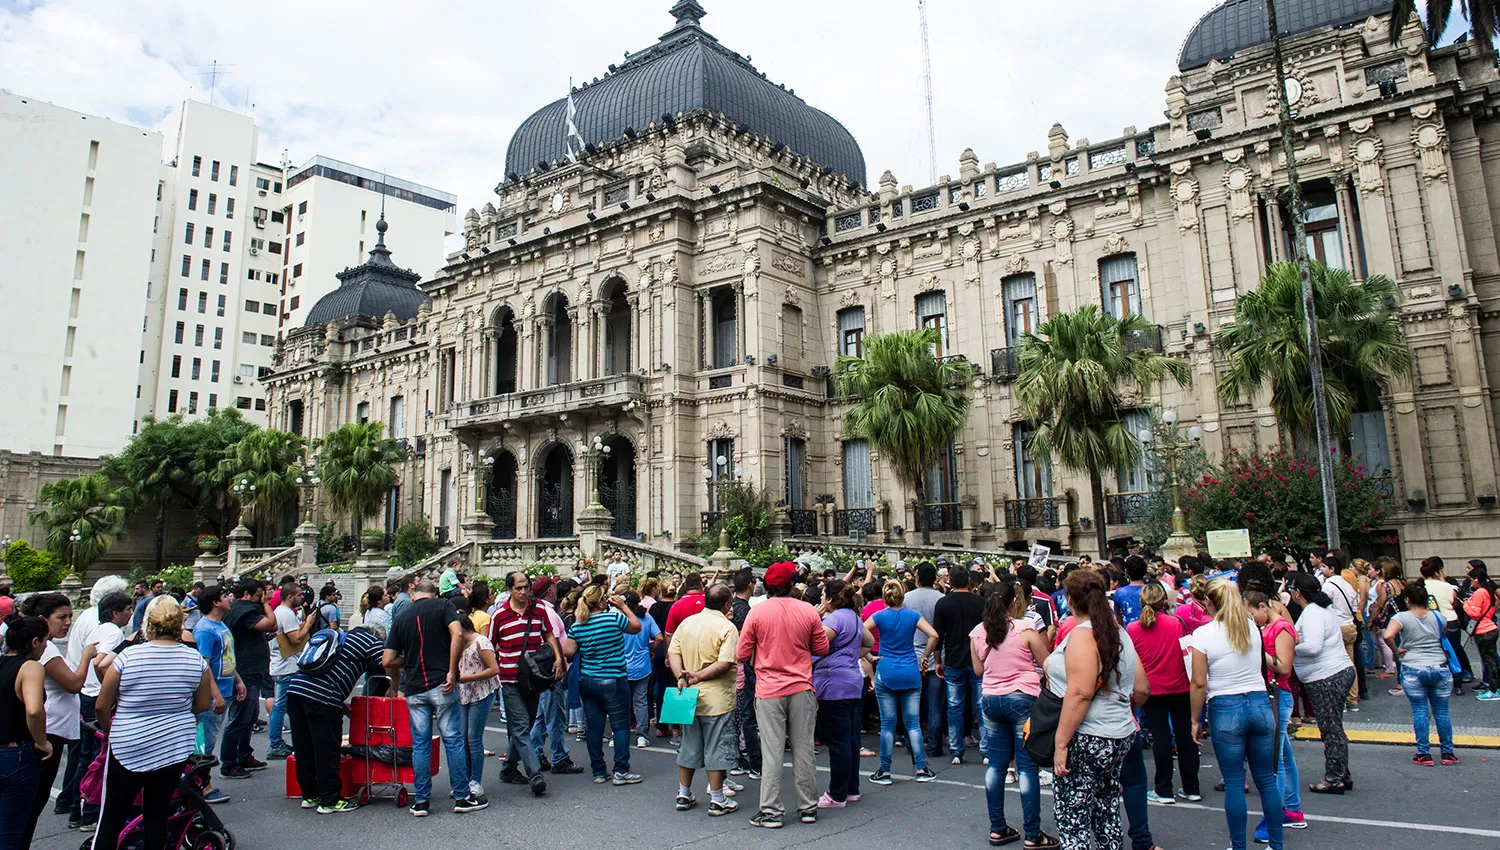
680	293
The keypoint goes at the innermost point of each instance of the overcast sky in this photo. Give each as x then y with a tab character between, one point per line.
432	91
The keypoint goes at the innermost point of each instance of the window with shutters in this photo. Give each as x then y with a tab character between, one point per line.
725	327
859	484
1033	473
852	331
721	469
795	492
1136	479
932	312
791	330
1119	287
1021	310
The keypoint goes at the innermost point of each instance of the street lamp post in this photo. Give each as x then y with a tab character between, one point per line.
244	491
1170	449
74	538
308	481
595	452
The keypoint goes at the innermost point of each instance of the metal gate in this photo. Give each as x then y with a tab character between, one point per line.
619	497
500	504
556	509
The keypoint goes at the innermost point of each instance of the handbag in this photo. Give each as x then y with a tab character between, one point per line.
1454	666
534	674
1041	726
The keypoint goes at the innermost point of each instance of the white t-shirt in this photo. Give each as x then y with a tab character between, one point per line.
1229	672
1340	599
286	621
62	707
616	570
106	636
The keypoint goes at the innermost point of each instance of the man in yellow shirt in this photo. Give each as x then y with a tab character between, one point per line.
702	655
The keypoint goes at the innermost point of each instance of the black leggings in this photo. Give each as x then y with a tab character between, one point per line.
1486	646
120	789
1178	709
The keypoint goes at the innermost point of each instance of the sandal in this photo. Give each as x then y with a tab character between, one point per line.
1326	787
1008	835
1396	692
1042	841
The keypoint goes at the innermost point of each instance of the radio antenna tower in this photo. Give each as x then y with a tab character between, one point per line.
927	81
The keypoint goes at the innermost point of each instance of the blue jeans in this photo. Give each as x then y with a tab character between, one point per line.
963	691
605	698
1424	685
909	702
1286	766
209	727
551	723
277	721
450	728
1133	789
20	770
475	714
235	749
1003	719
1243	726
640	692
934	698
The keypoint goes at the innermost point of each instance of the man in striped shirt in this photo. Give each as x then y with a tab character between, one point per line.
521	626
315	713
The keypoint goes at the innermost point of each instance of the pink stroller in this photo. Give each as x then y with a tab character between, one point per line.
192	823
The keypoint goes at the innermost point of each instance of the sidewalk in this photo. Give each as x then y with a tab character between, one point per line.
1384	719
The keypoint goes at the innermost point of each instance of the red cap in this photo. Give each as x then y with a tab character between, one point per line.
780	575
540	585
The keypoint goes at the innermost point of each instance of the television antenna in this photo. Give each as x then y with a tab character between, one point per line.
214	71
927	81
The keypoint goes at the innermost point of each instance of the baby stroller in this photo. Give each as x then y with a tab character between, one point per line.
192	823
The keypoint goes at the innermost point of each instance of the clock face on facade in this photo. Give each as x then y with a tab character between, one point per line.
558	200
1293	90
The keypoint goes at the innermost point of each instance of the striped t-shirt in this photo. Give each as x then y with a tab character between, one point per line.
154	725
601	644
332	686
508	629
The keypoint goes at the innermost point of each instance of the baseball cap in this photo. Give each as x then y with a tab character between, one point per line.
780	575
540	585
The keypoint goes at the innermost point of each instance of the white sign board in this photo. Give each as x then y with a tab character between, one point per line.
1229	543
1039	556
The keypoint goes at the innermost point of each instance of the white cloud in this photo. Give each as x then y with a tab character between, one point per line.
432	92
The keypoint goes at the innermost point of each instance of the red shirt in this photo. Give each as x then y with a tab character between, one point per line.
687	606
1160	651
870	609
781	635
507	629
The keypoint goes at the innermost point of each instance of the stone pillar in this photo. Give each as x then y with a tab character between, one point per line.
239	539
306	540
206	568
595	523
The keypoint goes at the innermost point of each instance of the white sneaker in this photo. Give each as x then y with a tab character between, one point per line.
986	761
1046	778
1010	776
641	743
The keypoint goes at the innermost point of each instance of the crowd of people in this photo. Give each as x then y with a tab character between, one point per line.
1064	678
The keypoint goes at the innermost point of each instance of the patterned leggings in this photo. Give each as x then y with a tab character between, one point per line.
1086	802
1327	697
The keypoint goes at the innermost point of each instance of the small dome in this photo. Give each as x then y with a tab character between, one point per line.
376	289
1234	25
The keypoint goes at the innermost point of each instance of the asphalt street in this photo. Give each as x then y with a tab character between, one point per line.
1396	804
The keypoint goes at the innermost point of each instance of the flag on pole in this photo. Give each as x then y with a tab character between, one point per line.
574	140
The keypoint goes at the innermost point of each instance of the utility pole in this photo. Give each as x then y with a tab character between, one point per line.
927	80
1304	275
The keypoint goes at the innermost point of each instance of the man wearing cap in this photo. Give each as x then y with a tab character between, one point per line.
780	637
551	716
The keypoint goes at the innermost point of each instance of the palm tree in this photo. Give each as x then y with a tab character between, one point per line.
157	463
83	517
1072	371
907	404
1360	336
272	461
356	464
1483	15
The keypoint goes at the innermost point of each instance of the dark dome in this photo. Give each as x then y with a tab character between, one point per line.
1236	24
372	289
687	70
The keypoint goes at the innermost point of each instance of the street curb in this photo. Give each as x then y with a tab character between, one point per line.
1405	739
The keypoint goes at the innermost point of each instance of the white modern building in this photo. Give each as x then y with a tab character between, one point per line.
331	208
82	193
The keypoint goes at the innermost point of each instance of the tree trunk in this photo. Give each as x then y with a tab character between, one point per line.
161	535
1100	526
923	524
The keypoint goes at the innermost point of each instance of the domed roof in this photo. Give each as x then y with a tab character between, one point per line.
374	288
1236	24
686	70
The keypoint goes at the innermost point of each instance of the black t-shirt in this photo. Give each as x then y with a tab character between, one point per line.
420	635
955	615
251	651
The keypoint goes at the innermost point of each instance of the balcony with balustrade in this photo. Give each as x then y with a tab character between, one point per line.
1005	364
1033	513
1127	508
614	391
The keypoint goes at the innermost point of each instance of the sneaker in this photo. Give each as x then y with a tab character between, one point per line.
957	760
641	743
676	741
475	789
307	802
1293	820
258	726
1262	834
1450	758
685	802
512	776
1191	798
573	730
88	826
1153	797
601	778
338	808
1044	778
881	777
254	764
926	774
217	797
235	771
419	809
566	766
626	778
1010	776
852	798
752	774
808	816
470	804
827	802
278	753
1487	696
737	771
767	820
1422	760
538	785
546	765
717	809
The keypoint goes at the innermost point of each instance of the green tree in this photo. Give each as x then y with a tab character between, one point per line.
91	508
31	570
357	464
414	542
1483	16
1073	370
1359	332
271	460
906	403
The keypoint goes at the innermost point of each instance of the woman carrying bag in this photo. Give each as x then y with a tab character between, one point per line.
1426	675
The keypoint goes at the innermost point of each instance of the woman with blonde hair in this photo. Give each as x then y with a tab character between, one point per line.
1192	613
149	701
1228	660
1158	640
597	641
898	678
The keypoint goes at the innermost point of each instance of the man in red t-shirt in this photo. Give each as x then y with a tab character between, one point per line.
689	604
521	626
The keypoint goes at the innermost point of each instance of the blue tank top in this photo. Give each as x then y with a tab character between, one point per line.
898	657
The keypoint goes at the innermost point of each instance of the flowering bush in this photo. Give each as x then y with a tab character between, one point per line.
813	562
1279	499
537	570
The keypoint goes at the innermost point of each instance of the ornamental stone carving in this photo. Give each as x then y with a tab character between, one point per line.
1237	182
716	264
1017	265
720	430
789	264
1115	244
1185	194
1367	151
850	299
1431	142
795	429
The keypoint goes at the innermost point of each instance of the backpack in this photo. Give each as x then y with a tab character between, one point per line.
321	650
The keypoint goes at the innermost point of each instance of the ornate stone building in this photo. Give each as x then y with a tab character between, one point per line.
679	293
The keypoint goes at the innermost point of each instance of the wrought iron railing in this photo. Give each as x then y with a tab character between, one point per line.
1127	508
804	522
1387	486
1031	513
1149	339
853	521
945	516
1004	364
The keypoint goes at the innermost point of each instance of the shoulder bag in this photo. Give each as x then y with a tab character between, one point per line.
534	672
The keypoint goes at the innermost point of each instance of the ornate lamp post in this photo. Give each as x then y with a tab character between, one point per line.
74	538
309	480
244	491
1170	449
596	452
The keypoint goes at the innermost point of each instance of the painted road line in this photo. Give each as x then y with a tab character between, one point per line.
1406	739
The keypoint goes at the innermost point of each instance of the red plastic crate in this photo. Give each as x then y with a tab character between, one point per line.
352	773
379	711
347	785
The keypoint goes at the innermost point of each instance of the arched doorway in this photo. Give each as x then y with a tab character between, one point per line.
558	341
617	485
616	328
554	517
500	500
505	352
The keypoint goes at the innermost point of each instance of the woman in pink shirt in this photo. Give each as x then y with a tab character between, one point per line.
1006	652
1158	641
1192	613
